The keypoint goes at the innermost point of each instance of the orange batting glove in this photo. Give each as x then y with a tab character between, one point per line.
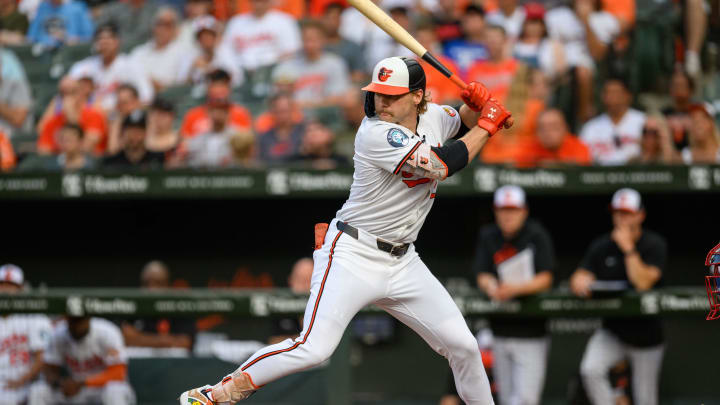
475	95
494	116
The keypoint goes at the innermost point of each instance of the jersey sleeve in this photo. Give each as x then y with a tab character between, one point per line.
450	121
40	334
55	349
385	145
656	254
114	346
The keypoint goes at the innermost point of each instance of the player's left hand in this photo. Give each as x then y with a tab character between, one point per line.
475	95
70	387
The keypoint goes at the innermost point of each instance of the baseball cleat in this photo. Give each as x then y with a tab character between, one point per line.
198	396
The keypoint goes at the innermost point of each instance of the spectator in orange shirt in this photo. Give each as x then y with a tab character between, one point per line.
7	155
438	86
295	8
197	120
554	144
498	71
75	109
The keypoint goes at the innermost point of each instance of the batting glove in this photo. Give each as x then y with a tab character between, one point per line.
475	96
494	116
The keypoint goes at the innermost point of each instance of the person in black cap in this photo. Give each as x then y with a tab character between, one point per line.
134	154
366	254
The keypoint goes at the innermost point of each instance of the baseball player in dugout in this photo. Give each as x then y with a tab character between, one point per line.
366	255
23	339
515	259
92	353
628	258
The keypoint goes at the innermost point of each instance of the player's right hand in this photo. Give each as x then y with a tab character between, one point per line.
475	95
494	116
581	282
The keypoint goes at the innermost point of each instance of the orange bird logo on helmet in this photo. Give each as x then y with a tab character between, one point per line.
384	74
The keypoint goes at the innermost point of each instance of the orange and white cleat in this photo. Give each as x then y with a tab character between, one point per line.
233	388
198	396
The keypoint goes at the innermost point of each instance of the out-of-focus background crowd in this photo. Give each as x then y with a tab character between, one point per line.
248	83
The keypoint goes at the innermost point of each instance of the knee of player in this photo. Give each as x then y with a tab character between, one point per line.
465	348
314	355
590	370
39	392
117	392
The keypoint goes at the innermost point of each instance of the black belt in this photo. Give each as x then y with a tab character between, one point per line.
395	250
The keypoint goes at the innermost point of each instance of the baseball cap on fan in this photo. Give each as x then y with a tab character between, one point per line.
509	197
626	199
10	273
396	75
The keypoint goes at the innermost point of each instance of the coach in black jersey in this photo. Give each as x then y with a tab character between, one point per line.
515	258
626	259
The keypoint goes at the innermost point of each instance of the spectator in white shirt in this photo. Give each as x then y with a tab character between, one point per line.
262	37
109	69
194	10
320	78
614	137
586	33
509	16
208	55
161	55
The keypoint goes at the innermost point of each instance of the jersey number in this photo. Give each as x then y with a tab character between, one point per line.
416	182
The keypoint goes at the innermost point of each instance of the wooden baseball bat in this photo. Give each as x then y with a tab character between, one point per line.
382	20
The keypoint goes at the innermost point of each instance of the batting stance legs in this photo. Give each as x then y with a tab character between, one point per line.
350	274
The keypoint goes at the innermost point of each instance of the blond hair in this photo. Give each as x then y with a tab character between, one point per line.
422	106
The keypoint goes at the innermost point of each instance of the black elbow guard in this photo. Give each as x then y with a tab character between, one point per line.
454	154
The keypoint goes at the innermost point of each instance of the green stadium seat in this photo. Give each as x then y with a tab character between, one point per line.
23	143
66	56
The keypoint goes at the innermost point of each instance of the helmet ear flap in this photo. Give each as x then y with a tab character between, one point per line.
370	104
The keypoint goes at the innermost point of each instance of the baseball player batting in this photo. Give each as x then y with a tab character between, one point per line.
366	254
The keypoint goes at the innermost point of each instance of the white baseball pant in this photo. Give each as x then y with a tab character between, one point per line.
112	393
603	351
352	273
519	366
12	397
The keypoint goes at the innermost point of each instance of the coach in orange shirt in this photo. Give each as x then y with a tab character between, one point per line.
197	120
554	144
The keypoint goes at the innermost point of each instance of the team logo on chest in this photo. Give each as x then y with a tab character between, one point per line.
397	138
384	74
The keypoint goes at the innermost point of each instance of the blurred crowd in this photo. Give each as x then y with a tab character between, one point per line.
134	84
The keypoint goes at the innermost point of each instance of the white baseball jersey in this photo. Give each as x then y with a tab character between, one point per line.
259	42
20	336
612	144
108	78
386	198
102	347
